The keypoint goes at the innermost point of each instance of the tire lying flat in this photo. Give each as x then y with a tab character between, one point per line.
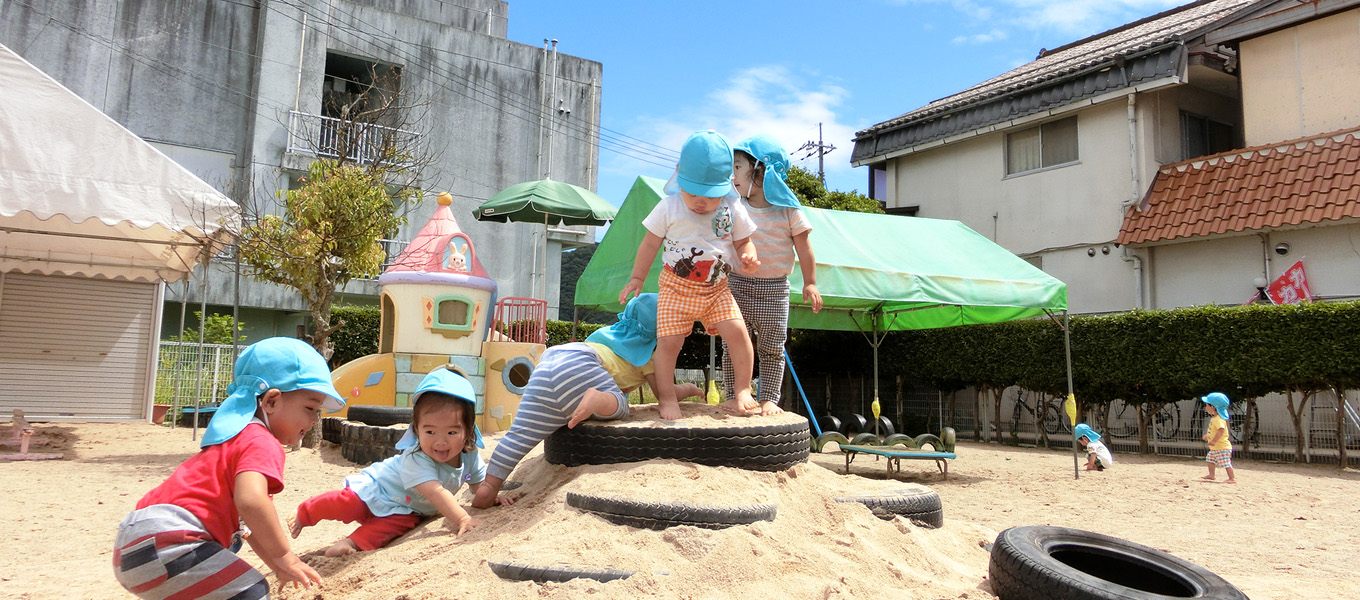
1058	563
916	503
518	571
379	415
756	444
661	515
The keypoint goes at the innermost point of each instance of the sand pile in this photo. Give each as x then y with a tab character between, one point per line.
815	548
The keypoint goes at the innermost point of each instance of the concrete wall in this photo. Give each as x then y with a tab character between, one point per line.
1223	270
222	77
1301	81
1055	214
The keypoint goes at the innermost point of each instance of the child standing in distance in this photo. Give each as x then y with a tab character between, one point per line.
1098	457
704	227
760	166
578	381
182	537
1220	445
389	498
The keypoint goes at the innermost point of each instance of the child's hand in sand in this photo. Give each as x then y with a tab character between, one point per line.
466	524
290	569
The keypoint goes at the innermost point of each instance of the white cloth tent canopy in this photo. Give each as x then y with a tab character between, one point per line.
80	195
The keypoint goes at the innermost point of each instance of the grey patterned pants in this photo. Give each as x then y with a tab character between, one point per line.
764	306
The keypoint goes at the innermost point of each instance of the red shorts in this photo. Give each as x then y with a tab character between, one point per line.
681	302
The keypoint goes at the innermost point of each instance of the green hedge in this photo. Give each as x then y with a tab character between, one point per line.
1153	356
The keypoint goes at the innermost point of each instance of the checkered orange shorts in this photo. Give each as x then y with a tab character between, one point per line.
680	303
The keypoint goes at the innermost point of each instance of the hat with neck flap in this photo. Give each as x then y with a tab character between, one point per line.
1083	430
767	151
447	382
281	363
1220	402
633	337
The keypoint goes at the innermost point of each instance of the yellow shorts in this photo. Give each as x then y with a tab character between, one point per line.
680	303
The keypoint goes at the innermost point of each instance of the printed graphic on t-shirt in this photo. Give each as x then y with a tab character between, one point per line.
694	265
722	222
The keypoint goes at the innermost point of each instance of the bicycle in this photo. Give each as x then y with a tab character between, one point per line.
1051	418
1166	422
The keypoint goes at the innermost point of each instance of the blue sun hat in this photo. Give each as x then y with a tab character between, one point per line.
1220	402
769	152
281	363
1083	430
705	167
447	382
633	337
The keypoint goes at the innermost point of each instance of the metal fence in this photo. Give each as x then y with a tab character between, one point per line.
190	374
329	137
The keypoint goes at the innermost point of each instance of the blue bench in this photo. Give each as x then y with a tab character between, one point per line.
895	457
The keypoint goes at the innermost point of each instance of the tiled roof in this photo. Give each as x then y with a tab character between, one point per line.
1310	180
1079	56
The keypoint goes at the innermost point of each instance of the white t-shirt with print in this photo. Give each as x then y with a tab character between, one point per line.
699	247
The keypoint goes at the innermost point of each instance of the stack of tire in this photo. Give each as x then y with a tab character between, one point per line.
756	444
370	434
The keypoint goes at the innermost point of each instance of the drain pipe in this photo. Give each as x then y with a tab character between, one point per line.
1135	196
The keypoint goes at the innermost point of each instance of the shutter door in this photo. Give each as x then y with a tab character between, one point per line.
76	348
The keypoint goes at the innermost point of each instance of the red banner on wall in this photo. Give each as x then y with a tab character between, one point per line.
1291	287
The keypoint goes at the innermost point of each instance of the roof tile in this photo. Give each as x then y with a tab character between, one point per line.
1290	183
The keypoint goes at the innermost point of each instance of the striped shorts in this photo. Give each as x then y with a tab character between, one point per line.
681	302
162	552
1222	458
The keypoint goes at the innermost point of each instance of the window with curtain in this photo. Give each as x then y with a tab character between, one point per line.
1048	145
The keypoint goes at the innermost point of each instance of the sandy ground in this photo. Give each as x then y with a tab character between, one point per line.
1284	532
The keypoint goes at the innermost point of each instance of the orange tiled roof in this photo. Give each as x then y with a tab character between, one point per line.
1309	180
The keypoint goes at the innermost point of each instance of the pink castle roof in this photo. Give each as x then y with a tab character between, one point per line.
439	246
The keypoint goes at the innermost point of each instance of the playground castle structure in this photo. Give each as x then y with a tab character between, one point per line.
439	308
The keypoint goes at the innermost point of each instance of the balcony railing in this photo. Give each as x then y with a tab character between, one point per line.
328	137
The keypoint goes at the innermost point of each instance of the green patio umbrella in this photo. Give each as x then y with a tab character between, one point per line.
550	203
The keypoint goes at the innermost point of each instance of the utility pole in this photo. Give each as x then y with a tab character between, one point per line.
822	149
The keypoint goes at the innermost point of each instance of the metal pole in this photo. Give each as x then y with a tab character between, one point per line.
1067	345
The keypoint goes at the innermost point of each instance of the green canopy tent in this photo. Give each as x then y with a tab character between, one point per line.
876	273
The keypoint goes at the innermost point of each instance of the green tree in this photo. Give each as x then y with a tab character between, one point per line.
216	330
328	234
811	192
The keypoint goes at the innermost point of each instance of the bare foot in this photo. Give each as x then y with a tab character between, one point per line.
770	409
593	402
1232	481
294	526
342	548
670	409
747	402
1208	477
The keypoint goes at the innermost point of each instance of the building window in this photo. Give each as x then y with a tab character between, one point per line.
1049	145
449	315
1202	136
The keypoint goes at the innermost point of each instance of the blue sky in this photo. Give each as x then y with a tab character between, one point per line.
752	66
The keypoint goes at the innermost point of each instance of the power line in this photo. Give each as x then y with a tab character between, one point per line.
819	148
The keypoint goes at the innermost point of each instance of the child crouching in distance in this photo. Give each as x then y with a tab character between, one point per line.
1220	445
705	232
1098	457
389	498
181	539
579	381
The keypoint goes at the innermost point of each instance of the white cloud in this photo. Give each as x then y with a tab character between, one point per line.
765	99
995	35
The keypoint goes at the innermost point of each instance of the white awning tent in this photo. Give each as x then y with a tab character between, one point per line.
81	195
92	220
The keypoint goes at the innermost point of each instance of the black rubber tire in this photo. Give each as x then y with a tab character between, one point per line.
518	571
866	439
1059	563
900	438
830	436
366	444
756	447
885	427
330	429
853	424
379	415
829	424
918	504
660	515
